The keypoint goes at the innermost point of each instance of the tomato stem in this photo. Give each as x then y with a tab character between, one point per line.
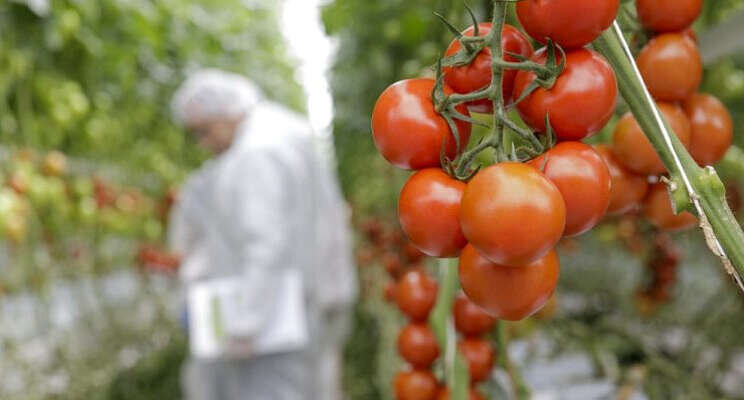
519	387
692	188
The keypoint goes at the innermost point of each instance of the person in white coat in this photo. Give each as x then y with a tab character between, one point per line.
265	242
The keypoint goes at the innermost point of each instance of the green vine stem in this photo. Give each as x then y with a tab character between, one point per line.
519	387
692	188
440	321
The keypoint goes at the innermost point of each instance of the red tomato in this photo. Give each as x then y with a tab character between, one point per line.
418	346
407	129
416	294
389	292
393	265
477	75
668	15
510	293
634	150
581	101
658	210
512	213
415	385
584	181
628	189
712	128
569	23
412	253
471	320
671	67
479	355
472	394
428	210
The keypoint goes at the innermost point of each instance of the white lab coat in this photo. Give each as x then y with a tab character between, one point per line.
271	203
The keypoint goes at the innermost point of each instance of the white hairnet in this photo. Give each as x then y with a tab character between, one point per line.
212	94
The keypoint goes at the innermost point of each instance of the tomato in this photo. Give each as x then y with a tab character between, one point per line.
479	355
416	294
477	75
472	394
389	292
510	293
671	67
412	253
471	320
668	15
393	265
658	210
628	189
584	181
634	150
408	131
569	23
712	128
512	213
428	210
415	385
418	346
581	101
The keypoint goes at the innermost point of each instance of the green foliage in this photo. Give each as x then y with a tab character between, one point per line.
93	78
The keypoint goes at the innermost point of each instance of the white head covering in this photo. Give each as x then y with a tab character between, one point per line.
212	94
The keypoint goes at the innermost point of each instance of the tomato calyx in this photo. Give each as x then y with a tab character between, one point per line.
545	76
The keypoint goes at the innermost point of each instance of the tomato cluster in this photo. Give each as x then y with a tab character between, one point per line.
662	268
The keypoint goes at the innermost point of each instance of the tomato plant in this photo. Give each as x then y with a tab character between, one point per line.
407	129
428	210
712	128
471	320
417	345
477	75
633	149
628	189
570	23
668	15
505	292
572	91
415	294
512	213
415	385
671	67
583	180
479	355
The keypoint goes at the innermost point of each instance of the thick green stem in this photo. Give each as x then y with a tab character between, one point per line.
440	321
692	188
519	387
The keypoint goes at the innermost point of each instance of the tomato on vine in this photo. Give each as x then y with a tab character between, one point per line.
477	75
444	394
479	355
407	129
416	294
428	211
510	293
570	23
471	320
415	385
712	128
583	180
580	102
418	346
634	150
628	189
512	213
668	15
671	67
658	210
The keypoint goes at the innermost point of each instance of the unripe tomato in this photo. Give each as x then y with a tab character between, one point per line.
581	101
712	128
471	320
512	213
628	189
416	294
668	15
418	346
477	75
444	394
658	210
408	131
510	293
415	385
671	67
634	150
479	355
428	210
584	181
569	23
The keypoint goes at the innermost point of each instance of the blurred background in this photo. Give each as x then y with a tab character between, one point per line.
90	163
